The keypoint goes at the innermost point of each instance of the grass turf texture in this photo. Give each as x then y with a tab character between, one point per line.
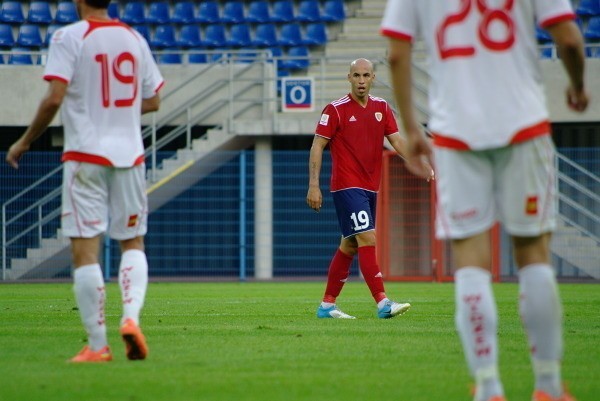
262	341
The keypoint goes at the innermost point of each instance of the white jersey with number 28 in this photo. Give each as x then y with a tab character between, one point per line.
486	86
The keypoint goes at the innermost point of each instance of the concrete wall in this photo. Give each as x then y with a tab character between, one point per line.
23	87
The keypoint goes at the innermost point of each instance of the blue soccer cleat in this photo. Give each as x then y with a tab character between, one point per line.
391	309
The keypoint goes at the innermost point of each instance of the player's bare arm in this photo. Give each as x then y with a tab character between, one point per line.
569	43
49	106
151	104
421	167
314	197
418	149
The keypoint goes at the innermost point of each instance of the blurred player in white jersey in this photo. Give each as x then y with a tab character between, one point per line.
102	73
494	159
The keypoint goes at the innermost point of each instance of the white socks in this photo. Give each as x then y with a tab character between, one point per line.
90	295
541	313
133	281
476	321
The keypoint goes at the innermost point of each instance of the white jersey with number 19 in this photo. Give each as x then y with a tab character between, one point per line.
109	70
486	85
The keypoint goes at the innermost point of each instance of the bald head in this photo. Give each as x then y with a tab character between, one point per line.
361	63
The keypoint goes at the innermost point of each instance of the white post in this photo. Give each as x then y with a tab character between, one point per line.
263	209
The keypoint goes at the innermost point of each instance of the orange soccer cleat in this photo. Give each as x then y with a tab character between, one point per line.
135	342
86	355
539	395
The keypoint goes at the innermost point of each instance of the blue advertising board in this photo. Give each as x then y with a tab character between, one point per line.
297	94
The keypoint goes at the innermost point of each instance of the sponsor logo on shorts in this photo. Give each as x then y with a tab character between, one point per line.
466	214
133	219
531	205
91	222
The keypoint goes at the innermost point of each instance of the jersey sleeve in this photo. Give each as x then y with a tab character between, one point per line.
152	79
549	12
400	20
391	126
62	56
328	122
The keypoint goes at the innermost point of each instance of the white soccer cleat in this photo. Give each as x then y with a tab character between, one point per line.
332	312
391	309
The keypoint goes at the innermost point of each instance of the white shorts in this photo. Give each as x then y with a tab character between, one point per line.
516	185
96	198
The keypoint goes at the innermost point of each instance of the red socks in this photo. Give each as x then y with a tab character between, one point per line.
339	269
367	259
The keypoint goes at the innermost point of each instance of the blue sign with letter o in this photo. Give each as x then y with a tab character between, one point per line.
297	94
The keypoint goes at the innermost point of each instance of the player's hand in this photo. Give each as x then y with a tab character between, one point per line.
577	100
15	152
314	198
418	155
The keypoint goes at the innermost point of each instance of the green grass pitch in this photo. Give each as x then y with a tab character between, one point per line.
262	341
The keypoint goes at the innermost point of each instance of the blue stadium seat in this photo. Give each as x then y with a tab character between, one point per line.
7	40
546	52
333	11
183	13
290	35
592	32
39	13
169	58
50	29
197	58
114	10
12	12
20	59
214	36
208	12
29	36
265	35
593	51
315	34
233	12
143	30
189	37
245	57
158	13
66	13
282	11
308	11
542	35
298	58
164	37
134	13
588	8
239	36
258	12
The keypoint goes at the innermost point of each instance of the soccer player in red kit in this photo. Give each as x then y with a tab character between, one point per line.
355	126
494	159
102	76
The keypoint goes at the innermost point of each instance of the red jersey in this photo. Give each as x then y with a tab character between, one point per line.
356	140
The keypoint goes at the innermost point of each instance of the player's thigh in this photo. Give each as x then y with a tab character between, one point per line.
355	210
84	200
527	186
128	203
465	199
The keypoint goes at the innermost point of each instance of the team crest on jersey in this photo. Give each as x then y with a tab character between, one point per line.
324	119
378	116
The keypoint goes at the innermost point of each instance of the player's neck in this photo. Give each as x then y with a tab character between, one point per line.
94	13
360	100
